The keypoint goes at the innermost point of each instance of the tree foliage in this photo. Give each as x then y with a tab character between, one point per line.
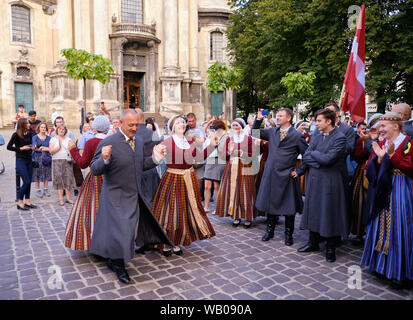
81	65
270	38
221	77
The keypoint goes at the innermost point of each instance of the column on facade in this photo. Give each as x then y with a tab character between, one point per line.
101	38
193	38
171	35
64	24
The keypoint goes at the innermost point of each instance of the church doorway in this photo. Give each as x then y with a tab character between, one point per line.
133	90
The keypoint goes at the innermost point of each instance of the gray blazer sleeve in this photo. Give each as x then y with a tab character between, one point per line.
332	155
264	133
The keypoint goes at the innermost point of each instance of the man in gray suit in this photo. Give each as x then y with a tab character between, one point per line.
124	218
405	112
279	193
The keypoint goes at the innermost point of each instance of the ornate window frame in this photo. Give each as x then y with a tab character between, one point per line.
22	4
211	50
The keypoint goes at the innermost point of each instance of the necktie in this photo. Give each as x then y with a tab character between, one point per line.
283	134
132	144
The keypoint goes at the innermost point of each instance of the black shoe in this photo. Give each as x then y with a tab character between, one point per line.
309	247
178	252
119	270
166	253
289	241
236	223
141	250
99	258
247	224
31	206
24	208
330	255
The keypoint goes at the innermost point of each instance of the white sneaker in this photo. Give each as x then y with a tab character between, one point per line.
206	210
39	193
46	192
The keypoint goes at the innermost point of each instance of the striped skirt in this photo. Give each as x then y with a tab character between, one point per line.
236	195
178	208
388	248
358	199
79	228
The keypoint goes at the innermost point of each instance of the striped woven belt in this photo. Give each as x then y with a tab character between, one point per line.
397	172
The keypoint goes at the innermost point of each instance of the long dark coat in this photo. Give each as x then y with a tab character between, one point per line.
325	205
150	178
279	193
124	217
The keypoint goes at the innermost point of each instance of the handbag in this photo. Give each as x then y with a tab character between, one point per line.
46	159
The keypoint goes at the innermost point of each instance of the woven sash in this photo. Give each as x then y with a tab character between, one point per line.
186	173
233	184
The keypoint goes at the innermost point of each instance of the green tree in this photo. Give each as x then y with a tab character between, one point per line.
221	77
268	38
82	65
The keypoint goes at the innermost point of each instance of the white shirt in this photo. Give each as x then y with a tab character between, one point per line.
283	130
63	153
397	142
239	138
181	143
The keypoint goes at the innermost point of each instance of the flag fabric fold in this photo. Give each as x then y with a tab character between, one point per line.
354	80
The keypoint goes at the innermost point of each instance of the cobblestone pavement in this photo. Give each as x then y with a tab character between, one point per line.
235	264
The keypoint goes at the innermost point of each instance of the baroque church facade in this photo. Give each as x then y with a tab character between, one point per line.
160	50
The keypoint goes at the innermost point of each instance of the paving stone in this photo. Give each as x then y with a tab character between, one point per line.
208	289
108	296
279	291
164	291
88	291
243	296
149	296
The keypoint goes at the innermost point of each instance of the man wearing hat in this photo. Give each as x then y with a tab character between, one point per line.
279	193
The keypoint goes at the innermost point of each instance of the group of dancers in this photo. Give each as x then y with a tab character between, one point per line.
119	212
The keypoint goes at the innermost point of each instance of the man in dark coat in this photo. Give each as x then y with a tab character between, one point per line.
279	193
325	205
405	112
150	178
124	218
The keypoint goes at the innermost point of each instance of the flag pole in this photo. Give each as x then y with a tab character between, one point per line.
343	90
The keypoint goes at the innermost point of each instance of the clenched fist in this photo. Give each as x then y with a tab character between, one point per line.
159	152
106	152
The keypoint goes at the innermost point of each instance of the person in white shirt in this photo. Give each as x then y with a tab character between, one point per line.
62	164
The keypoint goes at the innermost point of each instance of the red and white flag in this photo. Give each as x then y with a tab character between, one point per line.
354	94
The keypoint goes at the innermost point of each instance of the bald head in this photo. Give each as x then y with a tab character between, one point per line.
129	122
141	118
403	109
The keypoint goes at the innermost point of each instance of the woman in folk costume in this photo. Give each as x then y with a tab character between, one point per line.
388	248
79	228
236	195
177	204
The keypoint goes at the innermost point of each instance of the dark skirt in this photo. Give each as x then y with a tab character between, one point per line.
358	199
79	228
173	209
42	173
388	248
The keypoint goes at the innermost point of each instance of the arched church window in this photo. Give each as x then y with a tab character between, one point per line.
132	11
20	20
217	46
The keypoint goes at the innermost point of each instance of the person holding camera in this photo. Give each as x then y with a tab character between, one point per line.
21	143
62	164
42	172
